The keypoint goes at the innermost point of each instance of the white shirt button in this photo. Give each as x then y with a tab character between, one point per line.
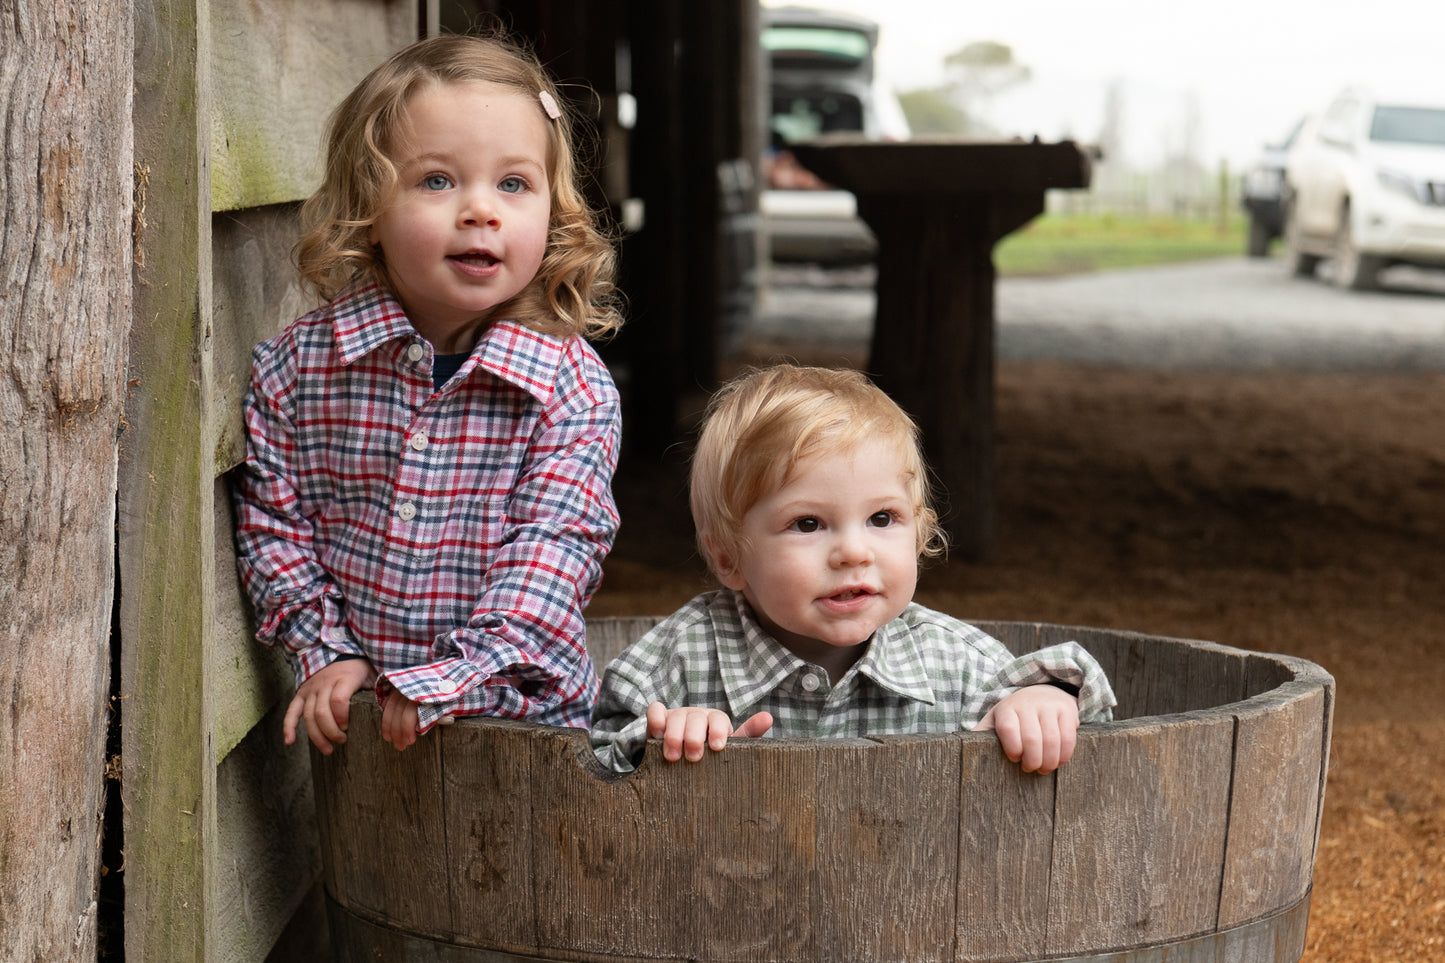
810	682
446	687
419	441
407	511
415	352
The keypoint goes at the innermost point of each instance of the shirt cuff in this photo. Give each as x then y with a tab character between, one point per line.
1068	666
436	687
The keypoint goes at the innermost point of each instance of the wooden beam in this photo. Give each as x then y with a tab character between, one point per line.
65	81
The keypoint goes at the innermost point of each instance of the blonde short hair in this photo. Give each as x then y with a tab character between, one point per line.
759	426
573	292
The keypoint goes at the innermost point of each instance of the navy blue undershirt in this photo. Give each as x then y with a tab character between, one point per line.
443	366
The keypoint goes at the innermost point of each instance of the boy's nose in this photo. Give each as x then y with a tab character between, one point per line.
851	548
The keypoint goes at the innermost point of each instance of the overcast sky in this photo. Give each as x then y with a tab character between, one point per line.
1252	66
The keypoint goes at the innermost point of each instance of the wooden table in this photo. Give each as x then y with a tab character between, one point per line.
937	208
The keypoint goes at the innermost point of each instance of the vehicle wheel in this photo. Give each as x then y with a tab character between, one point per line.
1258	245
1353	270
1301	264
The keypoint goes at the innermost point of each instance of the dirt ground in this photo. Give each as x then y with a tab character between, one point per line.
1292	513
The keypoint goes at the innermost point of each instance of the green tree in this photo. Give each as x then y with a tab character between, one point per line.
976	74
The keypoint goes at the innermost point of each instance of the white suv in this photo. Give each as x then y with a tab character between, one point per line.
1366	188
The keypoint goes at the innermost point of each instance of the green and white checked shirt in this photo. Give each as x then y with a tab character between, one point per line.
924	672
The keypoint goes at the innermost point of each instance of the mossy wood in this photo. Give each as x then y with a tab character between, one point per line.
219	841
1183	831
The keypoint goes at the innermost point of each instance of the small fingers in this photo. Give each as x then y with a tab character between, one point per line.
687	732
293	716
398	722
757	725
320	721
697	735
656	720
339	704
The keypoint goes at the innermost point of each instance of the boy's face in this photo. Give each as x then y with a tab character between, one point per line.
467	227
833	554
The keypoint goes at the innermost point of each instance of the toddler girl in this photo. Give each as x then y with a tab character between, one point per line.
426	500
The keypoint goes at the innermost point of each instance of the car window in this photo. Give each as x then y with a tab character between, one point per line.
1408	125
799	116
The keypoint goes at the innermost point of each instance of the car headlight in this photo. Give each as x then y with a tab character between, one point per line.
1263	182
1402	183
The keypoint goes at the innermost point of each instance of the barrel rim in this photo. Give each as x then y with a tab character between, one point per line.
1304	677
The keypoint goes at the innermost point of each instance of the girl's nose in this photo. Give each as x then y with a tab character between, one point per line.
478	208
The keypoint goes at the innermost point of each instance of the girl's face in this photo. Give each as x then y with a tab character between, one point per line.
833	554
467	226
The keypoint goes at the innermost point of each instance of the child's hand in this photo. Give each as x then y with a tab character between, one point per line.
1037	726
685	732
324	700
398	720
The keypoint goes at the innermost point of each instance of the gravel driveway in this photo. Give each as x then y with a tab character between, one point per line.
1231	313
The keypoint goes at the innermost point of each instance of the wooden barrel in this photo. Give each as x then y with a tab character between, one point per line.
1184	831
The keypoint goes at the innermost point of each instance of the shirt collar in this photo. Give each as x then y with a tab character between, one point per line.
367	316
894	662
753	663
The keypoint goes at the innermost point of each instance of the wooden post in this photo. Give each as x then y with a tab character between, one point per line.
166	533
65	83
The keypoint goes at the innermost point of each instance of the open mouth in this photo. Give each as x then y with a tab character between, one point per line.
850	594
475	258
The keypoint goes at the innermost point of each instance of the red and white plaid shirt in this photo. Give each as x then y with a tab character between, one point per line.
451	536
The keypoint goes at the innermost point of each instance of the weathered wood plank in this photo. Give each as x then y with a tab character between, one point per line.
66	181
267	853
766	848
1017	637
1275	801
386	851
1006	858
248	679
279	68
1152	677
611	860
1139	835
606	638
256	292
487	779
887	872
165	514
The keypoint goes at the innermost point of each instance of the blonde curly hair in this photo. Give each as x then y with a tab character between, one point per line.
760	425
574	291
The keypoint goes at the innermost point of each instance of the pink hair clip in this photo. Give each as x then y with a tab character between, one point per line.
549	105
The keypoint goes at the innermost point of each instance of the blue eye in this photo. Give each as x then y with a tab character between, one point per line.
436	182
512	185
